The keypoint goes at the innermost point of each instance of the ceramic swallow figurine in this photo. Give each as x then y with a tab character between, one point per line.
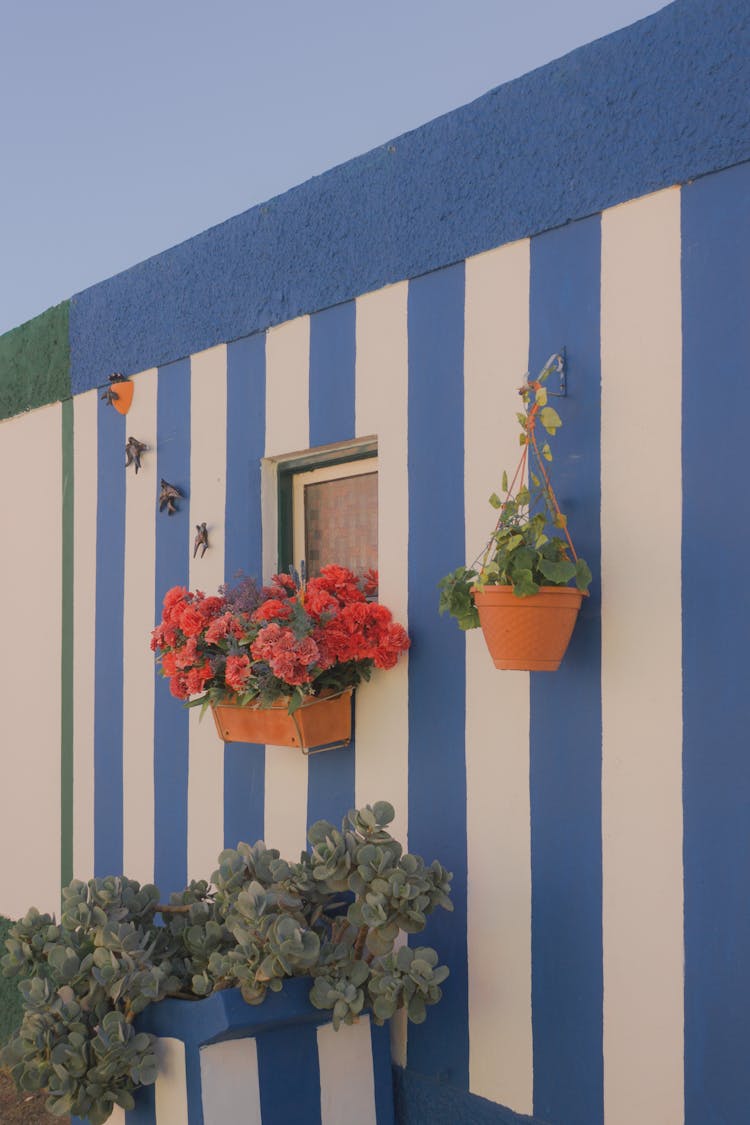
201	539
110	395
169	493
133	451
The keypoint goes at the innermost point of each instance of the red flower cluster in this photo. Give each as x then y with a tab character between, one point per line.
295	641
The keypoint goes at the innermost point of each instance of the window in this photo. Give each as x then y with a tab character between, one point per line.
336	516
328	508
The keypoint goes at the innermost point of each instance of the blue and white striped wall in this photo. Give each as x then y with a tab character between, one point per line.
595	820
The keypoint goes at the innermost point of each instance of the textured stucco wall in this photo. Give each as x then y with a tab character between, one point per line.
659	103
35	362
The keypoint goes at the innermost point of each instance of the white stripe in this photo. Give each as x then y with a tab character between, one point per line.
497	703
287	431
86	471
641	663
31	472
382	724
230	1084
170	1094
381	408
347	1083
208	446
138	621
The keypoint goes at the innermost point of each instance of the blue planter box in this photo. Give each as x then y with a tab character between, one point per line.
223	1062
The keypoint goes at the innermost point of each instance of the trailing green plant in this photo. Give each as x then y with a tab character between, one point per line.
335	916
522	551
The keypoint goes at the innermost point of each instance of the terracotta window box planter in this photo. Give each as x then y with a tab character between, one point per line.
323	723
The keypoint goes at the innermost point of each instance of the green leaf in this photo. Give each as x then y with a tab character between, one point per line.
550	419
295	701
583	575
546	452
523	584
541	396
535	480
504	484
495	501
558	573
560	520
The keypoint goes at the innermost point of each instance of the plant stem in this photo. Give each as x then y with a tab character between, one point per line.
360	942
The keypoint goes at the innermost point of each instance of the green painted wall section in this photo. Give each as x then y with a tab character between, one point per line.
35	362
10	998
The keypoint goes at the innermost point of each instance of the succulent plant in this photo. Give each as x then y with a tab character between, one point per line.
334	916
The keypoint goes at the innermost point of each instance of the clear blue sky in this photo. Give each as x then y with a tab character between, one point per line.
127	128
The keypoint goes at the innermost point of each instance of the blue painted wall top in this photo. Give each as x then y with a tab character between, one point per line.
658	103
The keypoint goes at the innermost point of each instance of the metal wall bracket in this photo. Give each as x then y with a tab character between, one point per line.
561	371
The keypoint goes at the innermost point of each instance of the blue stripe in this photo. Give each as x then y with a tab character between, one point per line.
437	672
716	624
289	1075
331	387
172	569
380	1045
145	1107
330	787
108	672
193	1086
566	723
244	764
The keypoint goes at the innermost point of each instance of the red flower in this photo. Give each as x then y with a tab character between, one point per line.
174	596
274	607
285	581
191	621
289	659
186	656
393	644
339	582
318	601
220	628
334	625
197	678
178	687
237	672
210	608
370	583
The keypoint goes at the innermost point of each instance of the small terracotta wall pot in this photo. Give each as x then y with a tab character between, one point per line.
527	634
124	392
324	720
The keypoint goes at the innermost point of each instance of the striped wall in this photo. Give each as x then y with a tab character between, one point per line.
595	820
229	1063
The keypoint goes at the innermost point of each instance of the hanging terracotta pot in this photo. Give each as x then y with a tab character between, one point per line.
527	634
324	722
